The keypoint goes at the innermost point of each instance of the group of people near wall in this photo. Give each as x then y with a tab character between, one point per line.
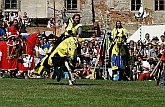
144	54
20	53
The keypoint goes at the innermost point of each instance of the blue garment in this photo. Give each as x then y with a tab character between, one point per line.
41	57
25	36
2	32
46	45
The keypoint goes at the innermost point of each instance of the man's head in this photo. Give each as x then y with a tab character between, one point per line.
162	37
118	24
76	18
25	13
15	22
147	36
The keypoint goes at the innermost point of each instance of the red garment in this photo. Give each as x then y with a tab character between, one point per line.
21	67
32	40
99	61
163	56
144	76
8	61
86	72
1	46
12	31
24	47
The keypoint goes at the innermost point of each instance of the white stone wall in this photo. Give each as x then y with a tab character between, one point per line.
34	8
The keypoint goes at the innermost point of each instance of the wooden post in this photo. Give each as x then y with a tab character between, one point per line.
54	18
93	12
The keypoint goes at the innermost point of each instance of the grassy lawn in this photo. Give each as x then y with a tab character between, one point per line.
86	93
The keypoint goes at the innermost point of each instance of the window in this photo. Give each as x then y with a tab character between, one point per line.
135	4
159	5
10	4
71	4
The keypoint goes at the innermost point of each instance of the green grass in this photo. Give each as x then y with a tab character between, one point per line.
86	93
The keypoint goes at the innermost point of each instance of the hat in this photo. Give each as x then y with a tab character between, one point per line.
153	43
155	38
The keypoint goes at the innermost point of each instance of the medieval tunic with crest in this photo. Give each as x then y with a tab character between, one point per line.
119	32
118	55
66	49
71	28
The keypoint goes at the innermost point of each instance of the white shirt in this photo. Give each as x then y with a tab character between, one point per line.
146	65
26	62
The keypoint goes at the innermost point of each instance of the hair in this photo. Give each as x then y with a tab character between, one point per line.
11	23
120	24
135	66
75	15
162	36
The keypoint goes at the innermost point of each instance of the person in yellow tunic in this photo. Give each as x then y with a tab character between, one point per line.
119	31
74	27
65	49
119	53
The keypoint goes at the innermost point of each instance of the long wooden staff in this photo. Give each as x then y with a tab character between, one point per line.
101	46
154	70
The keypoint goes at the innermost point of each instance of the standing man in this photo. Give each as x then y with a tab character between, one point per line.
25	20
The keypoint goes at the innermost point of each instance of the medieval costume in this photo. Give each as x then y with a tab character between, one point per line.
9	55
22	62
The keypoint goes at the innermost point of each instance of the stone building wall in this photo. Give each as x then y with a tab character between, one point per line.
121	10
34	8
111	9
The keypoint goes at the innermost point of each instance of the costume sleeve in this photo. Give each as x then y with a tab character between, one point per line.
126	32
66	19
79	31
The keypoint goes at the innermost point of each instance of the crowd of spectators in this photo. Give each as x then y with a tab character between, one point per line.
7	19
143	53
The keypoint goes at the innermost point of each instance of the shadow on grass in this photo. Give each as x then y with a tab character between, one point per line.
76	84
